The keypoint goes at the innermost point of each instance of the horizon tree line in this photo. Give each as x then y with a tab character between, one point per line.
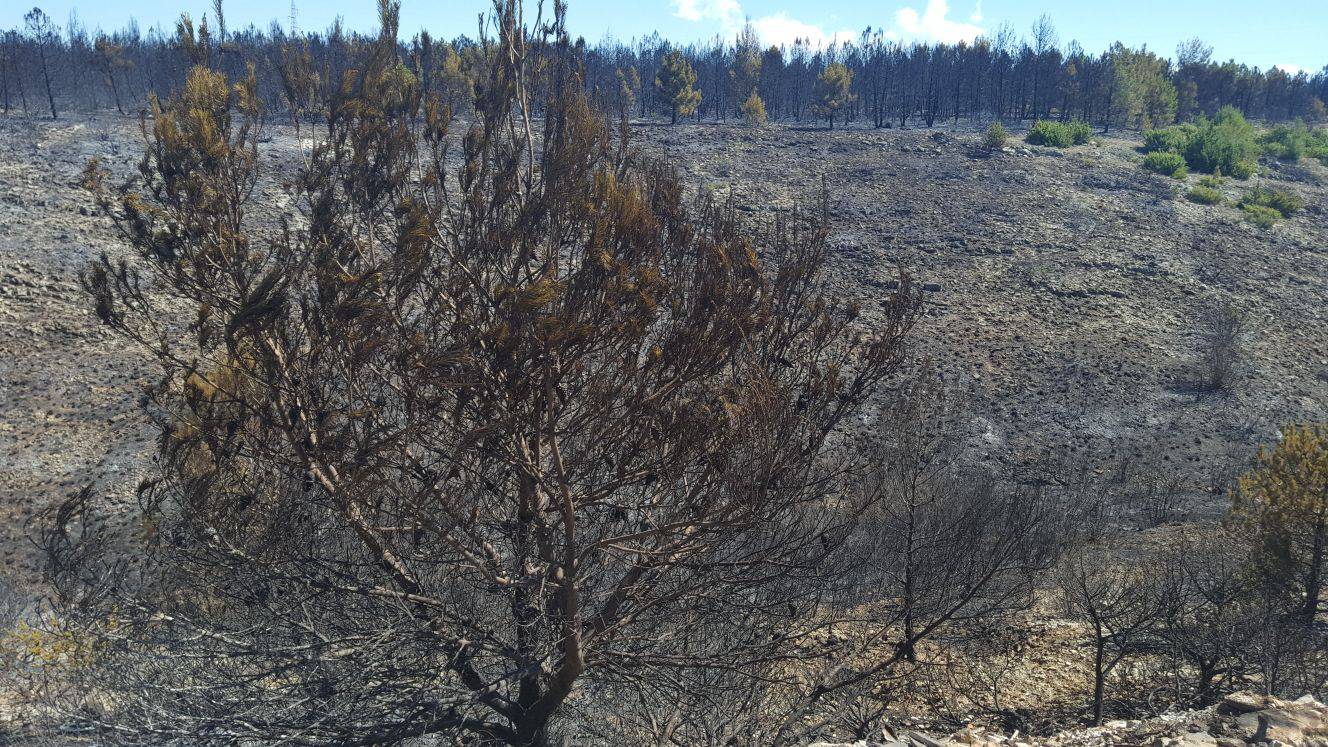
874	81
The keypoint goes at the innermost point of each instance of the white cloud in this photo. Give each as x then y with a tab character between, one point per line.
1292	70
933	25
775	29
728	13
780	29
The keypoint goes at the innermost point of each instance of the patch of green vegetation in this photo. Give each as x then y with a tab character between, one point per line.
1263	217
994	138
1059	134
1173	139
1080	132
1212	181
1165	162
1285	203
1292	142
1204	195
1225	144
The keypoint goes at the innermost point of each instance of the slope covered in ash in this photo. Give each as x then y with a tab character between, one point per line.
1063	287
1066	288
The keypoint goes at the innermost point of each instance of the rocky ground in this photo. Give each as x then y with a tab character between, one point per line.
1064	285
1240	719
67	389
1063	289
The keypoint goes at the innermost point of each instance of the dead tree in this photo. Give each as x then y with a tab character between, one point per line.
110	60
942	545
42	34
930	522
6	71
11	609
1120	604
1211	610
1221	329
467	434
14	68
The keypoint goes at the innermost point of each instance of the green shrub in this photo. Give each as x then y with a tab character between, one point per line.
1164	162
1048	133
994	138
1174	139
1058	134
1213	181
1285	203
1285	142
753	110
1263	217
1243	169
1291	142
1080	132
1204	195
1224	144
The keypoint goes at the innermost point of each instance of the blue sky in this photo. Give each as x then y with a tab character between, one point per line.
1286	33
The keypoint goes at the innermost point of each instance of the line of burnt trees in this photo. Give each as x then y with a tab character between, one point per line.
45	69
1004	77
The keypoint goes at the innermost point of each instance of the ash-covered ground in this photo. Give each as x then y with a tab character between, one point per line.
1064	289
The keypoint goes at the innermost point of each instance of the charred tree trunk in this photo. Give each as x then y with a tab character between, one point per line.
46	78
18	75
1314	576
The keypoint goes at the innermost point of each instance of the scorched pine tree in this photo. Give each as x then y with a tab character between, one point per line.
470	430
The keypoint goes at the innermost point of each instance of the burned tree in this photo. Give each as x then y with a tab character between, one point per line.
1120	605
941	550
110	61
9	70
469	433
833	91
945	541
1221	329
1210	611
673	84
44	39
